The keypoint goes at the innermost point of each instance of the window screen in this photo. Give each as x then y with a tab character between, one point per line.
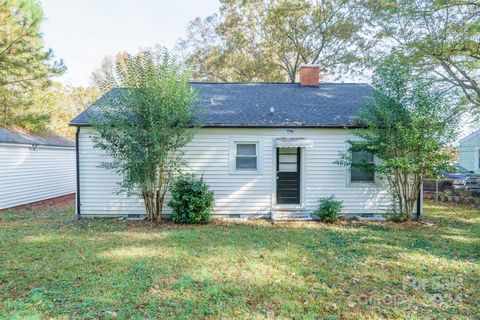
363	167
246	156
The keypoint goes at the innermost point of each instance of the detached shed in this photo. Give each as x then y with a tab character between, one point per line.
34	167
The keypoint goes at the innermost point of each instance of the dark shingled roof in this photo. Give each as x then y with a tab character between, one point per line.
248	104
20	136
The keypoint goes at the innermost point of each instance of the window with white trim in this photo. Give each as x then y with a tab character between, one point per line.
246	156
364	170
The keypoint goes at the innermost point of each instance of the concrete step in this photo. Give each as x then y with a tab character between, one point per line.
291	216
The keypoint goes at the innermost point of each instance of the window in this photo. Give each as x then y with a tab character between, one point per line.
246	156
287	159
362	167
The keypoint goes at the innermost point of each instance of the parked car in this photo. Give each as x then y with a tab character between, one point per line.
455	179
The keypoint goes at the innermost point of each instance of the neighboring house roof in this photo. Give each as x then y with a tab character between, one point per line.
249	104
470	136
19	136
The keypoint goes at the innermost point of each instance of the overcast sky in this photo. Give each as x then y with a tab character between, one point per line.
83	32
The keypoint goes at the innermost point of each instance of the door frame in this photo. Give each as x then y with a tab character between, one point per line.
301	205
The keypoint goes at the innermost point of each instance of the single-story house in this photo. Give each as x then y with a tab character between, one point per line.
265	149
34	167
469	152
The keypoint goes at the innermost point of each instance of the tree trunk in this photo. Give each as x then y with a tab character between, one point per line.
406	189
154	197
149	205
159	205
153	205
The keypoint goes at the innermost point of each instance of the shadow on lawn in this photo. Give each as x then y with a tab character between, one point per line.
447	227
456	239
87	268
195	274
341	242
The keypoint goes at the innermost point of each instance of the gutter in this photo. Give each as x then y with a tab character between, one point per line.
28	145
77	155
325	126
79	125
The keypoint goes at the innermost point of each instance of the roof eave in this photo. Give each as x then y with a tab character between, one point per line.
469	137
323	126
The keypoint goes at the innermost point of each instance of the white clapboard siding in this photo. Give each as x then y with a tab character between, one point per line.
28	175
245	194
469	152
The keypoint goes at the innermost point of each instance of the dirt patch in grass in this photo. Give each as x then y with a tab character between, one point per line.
66	201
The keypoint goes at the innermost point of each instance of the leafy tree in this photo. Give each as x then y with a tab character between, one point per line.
440	37
61	103
264	40
206	51
25	66
407	125
144	125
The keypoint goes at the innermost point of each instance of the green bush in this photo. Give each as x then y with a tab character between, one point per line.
397	216
192	201
329	209
394	213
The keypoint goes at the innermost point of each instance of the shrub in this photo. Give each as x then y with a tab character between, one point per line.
192	201
329	209
394	213
397	216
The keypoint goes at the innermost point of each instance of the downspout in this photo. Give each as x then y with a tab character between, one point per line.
77	155
419	203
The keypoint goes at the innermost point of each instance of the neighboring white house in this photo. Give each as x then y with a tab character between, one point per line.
265	149
34	167
469	152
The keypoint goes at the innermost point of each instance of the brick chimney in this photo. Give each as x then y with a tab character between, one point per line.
309	75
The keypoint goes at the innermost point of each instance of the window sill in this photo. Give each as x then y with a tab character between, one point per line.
289	207
234	172
362	184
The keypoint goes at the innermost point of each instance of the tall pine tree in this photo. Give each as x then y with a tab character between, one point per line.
25	65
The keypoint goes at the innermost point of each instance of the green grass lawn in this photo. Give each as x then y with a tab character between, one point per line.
52	266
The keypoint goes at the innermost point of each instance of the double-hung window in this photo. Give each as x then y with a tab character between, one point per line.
363	165
246	156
